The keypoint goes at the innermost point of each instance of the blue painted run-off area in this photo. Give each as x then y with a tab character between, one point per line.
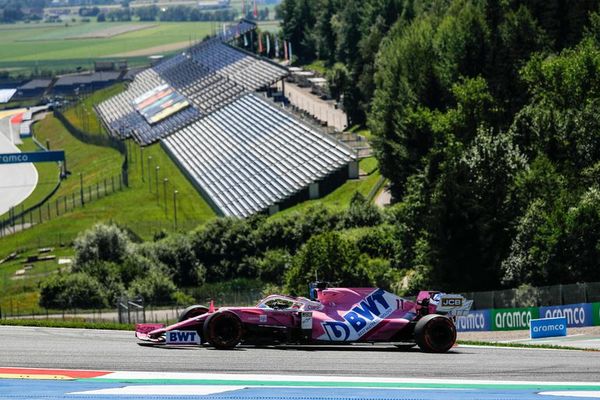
53	390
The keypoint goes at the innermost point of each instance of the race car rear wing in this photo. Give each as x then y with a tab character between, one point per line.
453	305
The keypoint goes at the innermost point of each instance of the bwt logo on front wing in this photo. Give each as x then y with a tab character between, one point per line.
362	318
182	337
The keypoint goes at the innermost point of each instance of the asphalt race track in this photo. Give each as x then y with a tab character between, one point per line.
17	181
118	351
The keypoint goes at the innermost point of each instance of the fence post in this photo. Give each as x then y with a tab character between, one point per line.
40	210
49	216
81	188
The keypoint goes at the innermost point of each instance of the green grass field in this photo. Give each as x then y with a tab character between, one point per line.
340	198
26	47
90	165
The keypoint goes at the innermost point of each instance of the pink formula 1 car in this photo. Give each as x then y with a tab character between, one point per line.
334	316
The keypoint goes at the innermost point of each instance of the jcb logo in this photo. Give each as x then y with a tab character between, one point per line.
452	302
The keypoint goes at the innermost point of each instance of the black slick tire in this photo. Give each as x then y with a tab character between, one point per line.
435	333
192	311
223	330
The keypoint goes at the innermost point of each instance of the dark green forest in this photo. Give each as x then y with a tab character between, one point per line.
485	118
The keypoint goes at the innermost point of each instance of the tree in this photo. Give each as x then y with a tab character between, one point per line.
404	80
147	13
470	218
460	44
328	257
348	34
177	255
325	33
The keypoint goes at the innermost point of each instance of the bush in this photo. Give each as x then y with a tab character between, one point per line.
177	254
101	243
273	265
77	290
361	213
155	288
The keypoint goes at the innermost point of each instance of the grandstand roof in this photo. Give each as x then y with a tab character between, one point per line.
72	80
249	155
6	95
36	84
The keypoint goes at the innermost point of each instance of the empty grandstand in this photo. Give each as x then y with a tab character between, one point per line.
244	154
250	156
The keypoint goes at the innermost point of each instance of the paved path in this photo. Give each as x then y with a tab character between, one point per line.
384	198
17	181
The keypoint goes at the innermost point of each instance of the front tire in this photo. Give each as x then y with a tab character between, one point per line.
435	333
192	311
405	346
223	330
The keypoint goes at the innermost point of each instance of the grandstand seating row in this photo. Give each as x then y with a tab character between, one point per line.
210	75
124	120
250	72
249	155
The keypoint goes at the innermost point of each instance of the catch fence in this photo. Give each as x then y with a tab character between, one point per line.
528	296
19	219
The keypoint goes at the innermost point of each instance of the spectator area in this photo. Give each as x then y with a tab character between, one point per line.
250	155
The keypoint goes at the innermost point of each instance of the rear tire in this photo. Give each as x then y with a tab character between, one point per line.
223	330
192	311
435	333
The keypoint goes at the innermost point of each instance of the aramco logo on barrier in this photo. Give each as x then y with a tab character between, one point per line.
477	320
32	157
513	318
548	327
576	314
